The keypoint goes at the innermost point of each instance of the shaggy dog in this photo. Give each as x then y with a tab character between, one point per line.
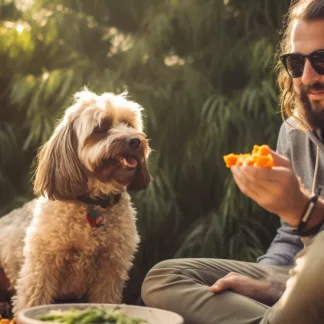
77	240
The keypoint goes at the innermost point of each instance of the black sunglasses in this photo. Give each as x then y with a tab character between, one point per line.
294	62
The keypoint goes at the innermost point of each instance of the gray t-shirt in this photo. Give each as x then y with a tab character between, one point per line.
300	148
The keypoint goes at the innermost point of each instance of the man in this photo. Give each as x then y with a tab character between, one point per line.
206	291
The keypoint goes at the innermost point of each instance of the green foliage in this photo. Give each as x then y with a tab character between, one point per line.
203	71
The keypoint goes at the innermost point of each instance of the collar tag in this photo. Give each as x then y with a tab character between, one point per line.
94	218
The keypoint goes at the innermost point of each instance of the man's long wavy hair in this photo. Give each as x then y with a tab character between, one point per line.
306	10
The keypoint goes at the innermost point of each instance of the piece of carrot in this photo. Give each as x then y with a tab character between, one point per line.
260	157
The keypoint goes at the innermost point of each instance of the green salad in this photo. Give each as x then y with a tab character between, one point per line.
93	315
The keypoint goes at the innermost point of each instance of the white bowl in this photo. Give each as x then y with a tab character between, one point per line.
151	315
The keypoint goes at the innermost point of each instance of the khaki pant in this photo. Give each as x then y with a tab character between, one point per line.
182	286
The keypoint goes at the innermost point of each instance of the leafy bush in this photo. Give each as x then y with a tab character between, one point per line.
203	71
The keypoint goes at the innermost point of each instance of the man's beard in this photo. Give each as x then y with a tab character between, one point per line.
312	112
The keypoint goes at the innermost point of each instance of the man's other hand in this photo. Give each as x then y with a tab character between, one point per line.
259	290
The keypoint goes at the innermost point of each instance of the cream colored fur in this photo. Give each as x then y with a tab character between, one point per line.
49	251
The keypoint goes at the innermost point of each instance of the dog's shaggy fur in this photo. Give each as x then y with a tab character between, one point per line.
49	252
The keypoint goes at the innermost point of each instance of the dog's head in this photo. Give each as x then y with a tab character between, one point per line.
98	148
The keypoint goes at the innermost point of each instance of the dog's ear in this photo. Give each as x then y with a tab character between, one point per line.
141	179
59	173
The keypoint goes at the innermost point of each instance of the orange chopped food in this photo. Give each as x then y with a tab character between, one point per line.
260	157
7	321
230	159
4	321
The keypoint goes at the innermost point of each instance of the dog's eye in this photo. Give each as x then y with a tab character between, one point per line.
127	123
103	127
100	129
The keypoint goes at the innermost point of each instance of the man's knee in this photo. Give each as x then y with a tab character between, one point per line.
157	280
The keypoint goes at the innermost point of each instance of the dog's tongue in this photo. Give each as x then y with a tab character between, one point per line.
129	161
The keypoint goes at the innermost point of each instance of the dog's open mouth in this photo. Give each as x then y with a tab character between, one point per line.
128	161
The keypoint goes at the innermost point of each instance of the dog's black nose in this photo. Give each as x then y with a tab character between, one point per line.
133	142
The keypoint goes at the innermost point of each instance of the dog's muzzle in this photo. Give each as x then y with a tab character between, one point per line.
132	152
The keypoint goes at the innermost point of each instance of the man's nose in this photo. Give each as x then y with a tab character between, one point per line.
309	74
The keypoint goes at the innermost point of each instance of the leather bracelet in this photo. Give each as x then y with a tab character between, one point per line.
305	218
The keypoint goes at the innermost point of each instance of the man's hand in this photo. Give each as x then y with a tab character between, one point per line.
276	190
259	290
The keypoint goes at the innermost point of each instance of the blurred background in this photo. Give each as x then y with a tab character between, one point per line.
204	72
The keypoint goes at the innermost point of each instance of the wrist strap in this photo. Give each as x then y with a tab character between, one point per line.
299	230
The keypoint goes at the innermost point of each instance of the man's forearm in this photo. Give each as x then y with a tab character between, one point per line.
276	291
277	284
274	288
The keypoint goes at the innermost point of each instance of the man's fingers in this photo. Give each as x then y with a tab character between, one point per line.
247	187
219	286
279	160
215	288
227	282
257	174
